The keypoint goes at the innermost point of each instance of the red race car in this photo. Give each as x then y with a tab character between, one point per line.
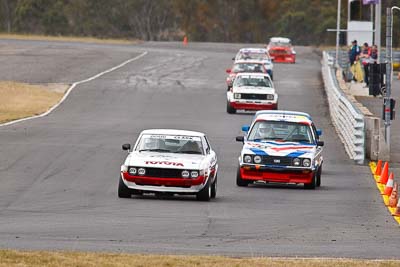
281	50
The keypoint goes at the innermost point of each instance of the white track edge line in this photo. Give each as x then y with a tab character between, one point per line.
71	88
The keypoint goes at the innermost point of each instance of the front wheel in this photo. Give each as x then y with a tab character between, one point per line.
313	183
214	188
239	180
230	109
319	172
123	190
205	193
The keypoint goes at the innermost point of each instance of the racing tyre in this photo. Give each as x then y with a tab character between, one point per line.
214	188
239	180
230	109
319	176
123	190
313	183
205	193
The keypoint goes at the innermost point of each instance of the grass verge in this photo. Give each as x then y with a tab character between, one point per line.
20	100
11	258
66	39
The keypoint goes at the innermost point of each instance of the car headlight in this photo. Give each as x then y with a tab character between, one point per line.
185	174
141	171
257	159
132	171
237	96
270	97
194	174
247	159
306	162
124	168
296	162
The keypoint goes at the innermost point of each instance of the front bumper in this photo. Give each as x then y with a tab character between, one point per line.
277	175
252	105
284	59
169	185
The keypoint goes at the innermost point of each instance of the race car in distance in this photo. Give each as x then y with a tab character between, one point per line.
169	161
281	50
256	54
251	91
282	147
243	66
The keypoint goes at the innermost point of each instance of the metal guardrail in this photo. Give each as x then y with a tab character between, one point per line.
346	117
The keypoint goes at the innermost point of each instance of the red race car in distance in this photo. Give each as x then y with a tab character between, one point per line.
281	50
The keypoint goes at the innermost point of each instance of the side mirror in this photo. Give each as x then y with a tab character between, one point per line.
228	70
240	139
126	147
245	128
320	143
319	132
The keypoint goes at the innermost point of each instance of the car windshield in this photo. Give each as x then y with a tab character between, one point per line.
252	55
282	131
252	81
280	44
170	144
248	67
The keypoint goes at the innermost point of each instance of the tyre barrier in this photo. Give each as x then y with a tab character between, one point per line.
387	186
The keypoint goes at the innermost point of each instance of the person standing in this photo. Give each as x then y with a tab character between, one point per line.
365	57
354	53
374	54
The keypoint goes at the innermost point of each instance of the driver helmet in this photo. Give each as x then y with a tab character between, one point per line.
264	129
150	143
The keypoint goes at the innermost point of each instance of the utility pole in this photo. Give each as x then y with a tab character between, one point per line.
377	41
389	69
386	99
337	33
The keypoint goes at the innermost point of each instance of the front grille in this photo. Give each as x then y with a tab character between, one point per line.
278	161
163	173
254	96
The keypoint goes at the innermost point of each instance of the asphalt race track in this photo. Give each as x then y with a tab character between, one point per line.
59	174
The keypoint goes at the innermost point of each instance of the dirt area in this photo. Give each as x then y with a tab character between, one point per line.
21	100
24	258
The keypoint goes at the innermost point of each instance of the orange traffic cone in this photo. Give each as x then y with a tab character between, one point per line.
389	186
397	211
384	174
378	169
185	40
393	199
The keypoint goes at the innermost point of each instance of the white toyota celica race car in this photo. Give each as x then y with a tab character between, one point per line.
169	161
251	91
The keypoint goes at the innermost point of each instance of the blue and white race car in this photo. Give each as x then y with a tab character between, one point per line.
282	147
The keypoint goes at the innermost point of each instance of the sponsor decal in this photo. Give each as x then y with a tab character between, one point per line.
167	163
290	148
174	137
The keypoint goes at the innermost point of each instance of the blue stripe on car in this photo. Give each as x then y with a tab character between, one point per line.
296	154
259	151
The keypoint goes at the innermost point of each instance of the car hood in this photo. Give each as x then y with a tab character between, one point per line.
282	149
254	90
164	160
